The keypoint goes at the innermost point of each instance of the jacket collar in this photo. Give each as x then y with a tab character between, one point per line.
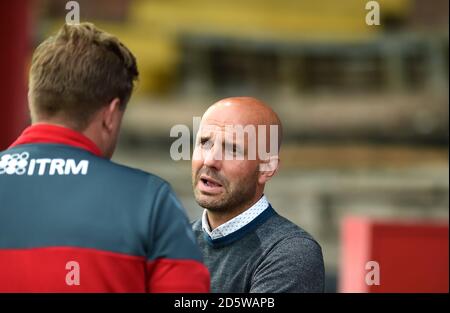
49	133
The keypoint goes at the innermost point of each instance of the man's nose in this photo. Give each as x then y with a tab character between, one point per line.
213	158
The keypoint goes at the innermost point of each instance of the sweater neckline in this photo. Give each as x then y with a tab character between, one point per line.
240	233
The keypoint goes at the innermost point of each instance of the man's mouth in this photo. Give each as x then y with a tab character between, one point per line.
209	185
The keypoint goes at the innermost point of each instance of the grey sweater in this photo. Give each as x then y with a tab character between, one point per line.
270	254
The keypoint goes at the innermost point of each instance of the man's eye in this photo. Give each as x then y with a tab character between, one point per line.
205	142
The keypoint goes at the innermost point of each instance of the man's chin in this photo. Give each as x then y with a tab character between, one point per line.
210	202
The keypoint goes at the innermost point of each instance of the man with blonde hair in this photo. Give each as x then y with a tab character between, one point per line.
70	219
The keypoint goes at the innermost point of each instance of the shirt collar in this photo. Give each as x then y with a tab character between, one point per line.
49	133
237	222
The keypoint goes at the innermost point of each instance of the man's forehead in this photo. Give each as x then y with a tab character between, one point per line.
230	113
243	117
226	125
211	128
222	134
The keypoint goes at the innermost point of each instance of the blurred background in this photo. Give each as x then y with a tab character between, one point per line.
365	108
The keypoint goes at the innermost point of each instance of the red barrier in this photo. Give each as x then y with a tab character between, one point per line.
411	256
13	57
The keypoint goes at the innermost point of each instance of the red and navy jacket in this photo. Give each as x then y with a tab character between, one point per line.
73	221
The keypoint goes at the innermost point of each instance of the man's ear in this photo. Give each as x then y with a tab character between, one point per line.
268	168
111	114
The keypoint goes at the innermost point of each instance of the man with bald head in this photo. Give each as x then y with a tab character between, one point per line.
246	245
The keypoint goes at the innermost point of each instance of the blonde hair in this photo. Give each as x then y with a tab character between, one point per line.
77	71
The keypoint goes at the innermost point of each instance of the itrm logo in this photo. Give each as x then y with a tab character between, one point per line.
21	164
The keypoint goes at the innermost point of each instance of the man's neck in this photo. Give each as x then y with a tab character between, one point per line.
88	132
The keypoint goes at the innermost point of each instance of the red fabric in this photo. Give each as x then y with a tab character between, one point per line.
170	275
46	270
48	133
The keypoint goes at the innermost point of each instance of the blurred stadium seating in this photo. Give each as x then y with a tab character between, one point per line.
365	108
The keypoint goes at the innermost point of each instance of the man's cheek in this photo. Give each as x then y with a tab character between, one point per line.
197	154
196	165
